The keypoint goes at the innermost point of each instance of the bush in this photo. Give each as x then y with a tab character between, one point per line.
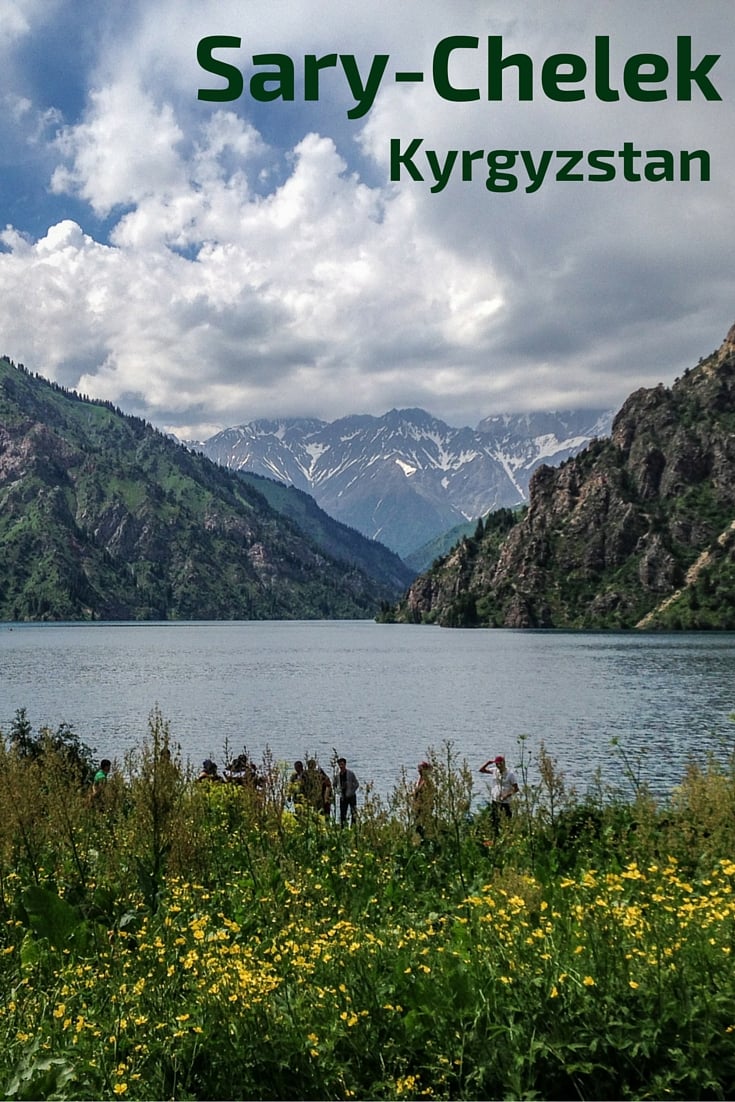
186	940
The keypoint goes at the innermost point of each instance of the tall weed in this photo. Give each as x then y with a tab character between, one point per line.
190	940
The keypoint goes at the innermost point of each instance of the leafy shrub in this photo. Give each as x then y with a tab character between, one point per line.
185	940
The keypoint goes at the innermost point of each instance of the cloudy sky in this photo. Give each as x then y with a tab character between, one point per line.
202	263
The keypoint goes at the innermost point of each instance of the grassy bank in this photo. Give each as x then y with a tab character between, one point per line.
182	940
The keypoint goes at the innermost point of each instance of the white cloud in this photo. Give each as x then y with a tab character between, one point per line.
122	153
16	18
256	259
283	298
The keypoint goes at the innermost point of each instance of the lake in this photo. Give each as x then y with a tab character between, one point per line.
381	694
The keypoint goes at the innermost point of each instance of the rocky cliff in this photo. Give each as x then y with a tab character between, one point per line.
636	530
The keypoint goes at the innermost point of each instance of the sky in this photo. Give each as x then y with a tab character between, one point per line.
205	262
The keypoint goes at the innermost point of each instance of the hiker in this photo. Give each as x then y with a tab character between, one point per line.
243	771
348	784
209	772
503	787
99	781
295	790
317	788
423	799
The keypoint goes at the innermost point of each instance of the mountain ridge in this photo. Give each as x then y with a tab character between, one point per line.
635	531
406	477
104	517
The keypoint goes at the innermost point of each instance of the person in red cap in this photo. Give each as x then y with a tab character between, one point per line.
503	788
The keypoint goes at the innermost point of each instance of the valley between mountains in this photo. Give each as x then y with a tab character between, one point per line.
572	519
406	478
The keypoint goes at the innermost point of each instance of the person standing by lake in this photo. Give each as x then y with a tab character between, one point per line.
423	799
99	782
348	784
503	787
295	791
210	773
317	788
103	772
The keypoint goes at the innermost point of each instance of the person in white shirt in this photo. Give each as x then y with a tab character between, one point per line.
503	787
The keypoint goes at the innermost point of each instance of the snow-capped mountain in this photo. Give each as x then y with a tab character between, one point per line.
405	477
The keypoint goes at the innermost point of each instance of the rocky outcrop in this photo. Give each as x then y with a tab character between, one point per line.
610	536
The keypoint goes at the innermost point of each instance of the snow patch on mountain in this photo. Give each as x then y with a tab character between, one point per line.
406	477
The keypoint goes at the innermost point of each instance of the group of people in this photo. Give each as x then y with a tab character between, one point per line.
310	786
241	771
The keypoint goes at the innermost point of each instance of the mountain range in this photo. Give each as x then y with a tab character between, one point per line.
406	477
637	530
104	517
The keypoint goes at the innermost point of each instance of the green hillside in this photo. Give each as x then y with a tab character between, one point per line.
103	517
338	540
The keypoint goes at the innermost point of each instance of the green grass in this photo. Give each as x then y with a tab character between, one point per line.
170	940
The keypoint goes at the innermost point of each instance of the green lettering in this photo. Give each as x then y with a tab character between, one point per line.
441	172
210	64
686	75
442	54
660	169
398	159
364	93
552	77
634	77
312	67
599	159
603	90
573	157
686	158
499	174
283	78
536	173
468	157
496	63
629	154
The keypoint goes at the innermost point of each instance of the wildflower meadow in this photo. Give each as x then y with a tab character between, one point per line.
168	939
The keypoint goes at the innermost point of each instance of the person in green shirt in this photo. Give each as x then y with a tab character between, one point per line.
99	780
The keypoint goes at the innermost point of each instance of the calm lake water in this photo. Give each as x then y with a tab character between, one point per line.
382	695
